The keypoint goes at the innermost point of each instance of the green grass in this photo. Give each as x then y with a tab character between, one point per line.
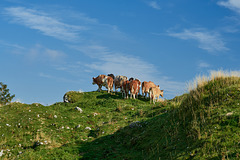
201	124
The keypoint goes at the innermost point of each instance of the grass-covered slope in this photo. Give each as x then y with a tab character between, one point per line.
201	124
66	130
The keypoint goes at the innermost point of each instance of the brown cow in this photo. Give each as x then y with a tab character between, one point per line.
125	89
155	92
108	83
146	86
98	81
134	86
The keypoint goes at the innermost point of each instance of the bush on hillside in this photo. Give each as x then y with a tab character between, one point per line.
72	96
5	96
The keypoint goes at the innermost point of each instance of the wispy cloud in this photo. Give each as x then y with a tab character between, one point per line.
210	41
39	52
154	5
202	64
10	45
48	25
107	61
231	4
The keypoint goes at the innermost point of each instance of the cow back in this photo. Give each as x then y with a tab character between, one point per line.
98	80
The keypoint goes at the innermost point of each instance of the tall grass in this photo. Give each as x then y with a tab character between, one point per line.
202	80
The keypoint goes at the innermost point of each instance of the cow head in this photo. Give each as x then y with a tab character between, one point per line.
161	93
94	81
130	79
111	75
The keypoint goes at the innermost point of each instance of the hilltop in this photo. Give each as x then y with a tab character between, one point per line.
201	124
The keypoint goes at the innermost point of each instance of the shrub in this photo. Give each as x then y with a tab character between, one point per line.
72	96
5	96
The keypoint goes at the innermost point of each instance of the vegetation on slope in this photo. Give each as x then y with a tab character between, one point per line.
201	124
62	130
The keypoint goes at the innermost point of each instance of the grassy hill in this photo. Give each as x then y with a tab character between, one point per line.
201	124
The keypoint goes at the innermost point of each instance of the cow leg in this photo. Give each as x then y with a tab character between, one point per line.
126	94
99	88
145	95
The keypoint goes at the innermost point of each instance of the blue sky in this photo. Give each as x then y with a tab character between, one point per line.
50	47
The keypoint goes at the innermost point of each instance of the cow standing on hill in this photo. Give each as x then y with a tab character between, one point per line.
98	81
146	86
108	83
134	86
155	92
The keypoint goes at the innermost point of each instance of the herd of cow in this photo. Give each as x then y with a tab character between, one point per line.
128	85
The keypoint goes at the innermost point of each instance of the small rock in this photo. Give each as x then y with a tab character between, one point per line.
8	125
135	124
229	114
88	128
78	126
1	153
79	109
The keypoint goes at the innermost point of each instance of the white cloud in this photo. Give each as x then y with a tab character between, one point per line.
154	5
39	52
117	63
202	64
10	45
210	41
52	24
231	4
41	21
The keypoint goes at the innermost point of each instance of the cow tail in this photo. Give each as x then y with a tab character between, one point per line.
132	89
143	88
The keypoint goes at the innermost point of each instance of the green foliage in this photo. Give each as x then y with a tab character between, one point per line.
5	96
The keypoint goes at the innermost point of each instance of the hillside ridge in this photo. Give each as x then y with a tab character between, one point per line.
201	124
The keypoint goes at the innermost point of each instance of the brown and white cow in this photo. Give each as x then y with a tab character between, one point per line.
108	83
134	86
146	86
118	82
155	92
98	81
